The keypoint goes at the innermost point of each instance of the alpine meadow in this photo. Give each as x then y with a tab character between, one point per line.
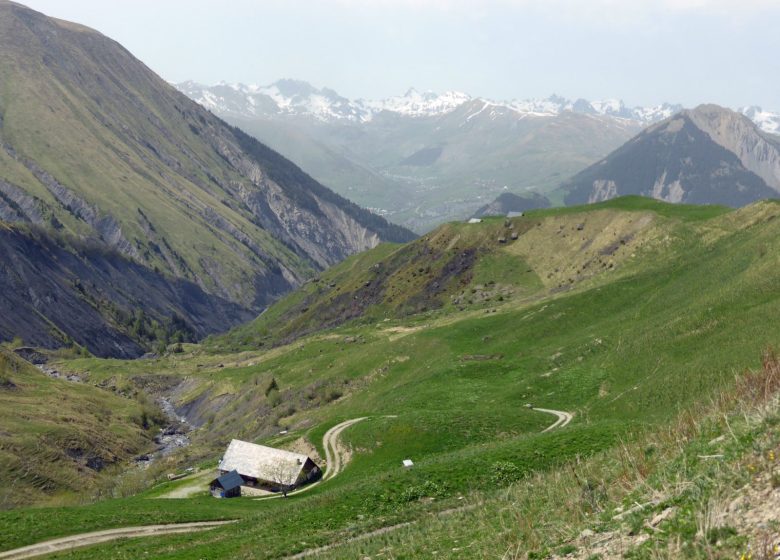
539	328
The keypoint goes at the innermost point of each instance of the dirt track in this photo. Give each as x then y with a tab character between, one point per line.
563	418
96	537
335	456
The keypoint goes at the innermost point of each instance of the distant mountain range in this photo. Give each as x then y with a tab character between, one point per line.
707	155
424	158
300	98
507	203
106	171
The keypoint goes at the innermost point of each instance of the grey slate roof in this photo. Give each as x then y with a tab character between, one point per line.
263	463
230	480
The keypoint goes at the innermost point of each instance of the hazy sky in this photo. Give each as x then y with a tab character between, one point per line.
643	51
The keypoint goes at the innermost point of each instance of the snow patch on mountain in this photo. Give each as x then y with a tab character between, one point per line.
766	120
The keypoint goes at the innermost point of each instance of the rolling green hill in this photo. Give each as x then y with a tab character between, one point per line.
463	267
631	315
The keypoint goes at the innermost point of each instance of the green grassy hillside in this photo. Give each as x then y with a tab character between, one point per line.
62	439
463	267
628	315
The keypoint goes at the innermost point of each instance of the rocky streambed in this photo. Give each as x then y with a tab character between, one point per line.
171	438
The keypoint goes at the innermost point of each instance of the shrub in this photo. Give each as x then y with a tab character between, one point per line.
504	473
274	398
5	381
717	534
272	386
428	489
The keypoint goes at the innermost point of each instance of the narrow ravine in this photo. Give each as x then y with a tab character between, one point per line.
171	438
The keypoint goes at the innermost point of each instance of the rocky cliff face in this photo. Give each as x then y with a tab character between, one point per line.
759	152
55	291
708	155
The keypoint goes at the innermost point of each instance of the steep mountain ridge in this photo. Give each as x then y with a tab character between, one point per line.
758	152
94	145
707	155
425	158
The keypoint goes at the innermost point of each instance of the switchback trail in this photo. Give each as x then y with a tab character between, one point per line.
563	418
336	456
96	537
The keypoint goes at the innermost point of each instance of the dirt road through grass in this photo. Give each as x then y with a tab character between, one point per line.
563	418
96	537
336	455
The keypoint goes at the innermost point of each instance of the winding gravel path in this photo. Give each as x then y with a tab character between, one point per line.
86	539
335	458
563	418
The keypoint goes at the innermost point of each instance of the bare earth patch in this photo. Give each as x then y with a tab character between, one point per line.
305	447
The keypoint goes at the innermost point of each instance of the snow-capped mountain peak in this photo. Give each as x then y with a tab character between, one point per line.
416	104
299	98
286	97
